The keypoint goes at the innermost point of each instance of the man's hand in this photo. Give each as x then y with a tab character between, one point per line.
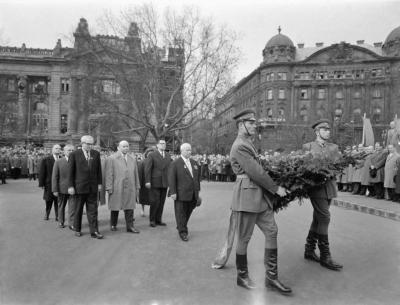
148	185
71	191
99	187
173	196
282	192
55	194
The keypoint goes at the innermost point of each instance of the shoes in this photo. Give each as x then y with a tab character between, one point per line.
46	217
152	224
78	234
161	223
114	228
132	230
61	225
184	236
96	235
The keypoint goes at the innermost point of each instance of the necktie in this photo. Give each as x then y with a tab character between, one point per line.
189	166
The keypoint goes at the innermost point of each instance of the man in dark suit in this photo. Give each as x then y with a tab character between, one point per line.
60	188
45	174
85	181
156	180
184	187
321	198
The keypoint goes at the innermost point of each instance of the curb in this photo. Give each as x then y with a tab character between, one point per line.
365	209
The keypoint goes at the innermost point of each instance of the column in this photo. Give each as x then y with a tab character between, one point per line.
22	104
54	105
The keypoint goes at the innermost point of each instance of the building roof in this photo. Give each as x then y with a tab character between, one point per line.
279	40
394	34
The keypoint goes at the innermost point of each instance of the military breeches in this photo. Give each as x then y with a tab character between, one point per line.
264	220
321	215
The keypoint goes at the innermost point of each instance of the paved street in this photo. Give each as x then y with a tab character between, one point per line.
42	264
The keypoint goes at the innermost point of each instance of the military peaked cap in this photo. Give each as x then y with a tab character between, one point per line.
245	115
322	123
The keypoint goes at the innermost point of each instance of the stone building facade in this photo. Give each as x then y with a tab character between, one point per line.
295	85
47	95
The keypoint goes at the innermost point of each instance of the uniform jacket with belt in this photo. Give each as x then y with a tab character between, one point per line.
253	190
329	189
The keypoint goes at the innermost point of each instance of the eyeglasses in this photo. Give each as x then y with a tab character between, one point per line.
87	143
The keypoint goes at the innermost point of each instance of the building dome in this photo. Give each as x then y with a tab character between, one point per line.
394	35
279	40
391	47
279	48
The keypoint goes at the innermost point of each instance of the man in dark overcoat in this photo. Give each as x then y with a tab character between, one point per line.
45	180
59	186
321	198
253	195
156	180
4	165
85	181
184	188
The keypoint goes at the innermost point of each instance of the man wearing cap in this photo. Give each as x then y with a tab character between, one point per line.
321	198
253	195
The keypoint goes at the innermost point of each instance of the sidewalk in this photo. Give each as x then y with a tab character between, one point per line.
364	204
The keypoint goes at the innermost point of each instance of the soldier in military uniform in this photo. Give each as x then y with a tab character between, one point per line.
321	198
253	195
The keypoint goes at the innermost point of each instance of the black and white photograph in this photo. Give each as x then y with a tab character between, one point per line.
183	152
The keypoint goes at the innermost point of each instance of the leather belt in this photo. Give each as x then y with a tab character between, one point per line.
242	176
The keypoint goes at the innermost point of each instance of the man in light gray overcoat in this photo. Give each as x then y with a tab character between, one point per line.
122	186
253	196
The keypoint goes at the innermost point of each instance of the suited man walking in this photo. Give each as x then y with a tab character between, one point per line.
156	180
184	187
45	175
122	185
85	181
59	186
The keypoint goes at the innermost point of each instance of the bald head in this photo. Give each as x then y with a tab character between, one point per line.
123	147
186	150
87	142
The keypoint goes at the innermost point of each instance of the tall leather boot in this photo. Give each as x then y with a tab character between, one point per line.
271	272
310	246
326	259
243	278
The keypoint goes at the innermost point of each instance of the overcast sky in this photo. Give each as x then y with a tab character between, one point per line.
39	23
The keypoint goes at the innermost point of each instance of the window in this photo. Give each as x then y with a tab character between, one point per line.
304	114
376	93
339	74
322	75
357	74
281	94
270	76
321	93
339	94
269	94
65	85
63	123
376	72
377	115
304	94
305	75
282	76
111	87
281	114
11	84
269	113
357	94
